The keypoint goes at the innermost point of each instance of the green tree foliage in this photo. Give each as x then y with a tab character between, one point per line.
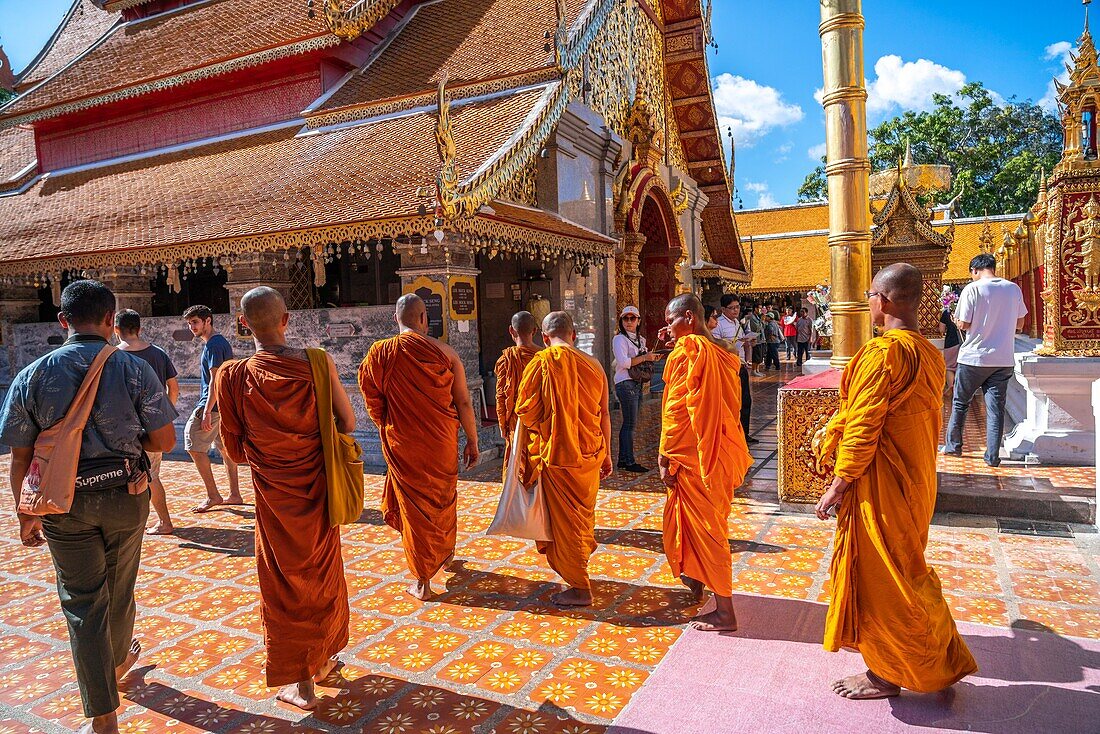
995	151
5	95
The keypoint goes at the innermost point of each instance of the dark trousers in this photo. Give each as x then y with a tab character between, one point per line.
792	345
629	393
746	399
993	382
772	356
803	352
96	549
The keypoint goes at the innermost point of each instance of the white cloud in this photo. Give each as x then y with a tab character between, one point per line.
909	85
764	198
816	152
752	110
1061	52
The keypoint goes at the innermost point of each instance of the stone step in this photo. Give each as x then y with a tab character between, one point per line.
1046	504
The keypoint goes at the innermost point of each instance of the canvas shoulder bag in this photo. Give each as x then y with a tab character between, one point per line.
343	466
49	485
521	513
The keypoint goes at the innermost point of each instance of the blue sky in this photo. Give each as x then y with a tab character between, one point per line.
768	66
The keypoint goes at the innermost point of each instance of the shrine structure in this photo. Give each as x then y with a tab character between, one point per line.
487	154
1058	253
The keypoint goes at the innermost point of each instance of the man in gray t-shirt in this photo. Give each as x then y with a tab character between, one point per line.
96	546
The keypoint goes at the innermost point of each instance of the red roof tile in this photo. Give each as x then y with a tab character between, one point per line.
162	46
468	40
82	26
16	153
265	183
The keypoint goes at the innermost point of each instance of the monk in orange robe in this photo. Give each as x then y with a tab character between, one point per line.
509	371
270	421
703	458
562	403
416	393
886	600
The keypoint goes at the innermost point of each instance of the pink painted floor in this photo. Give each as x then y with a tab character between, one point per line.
773	676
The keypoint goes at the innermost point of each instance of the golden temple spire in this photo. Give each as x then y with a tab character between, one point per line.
908	162
1042	185
986	237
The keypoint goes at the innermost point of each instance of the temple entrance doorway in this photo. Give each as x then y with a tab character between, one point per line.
657	263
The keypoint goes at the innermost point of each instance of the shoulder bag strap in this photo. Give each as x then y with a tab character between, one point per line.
322	385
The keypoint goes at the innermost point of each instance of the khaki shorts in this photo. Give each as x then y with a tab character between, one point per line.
196	439
154	464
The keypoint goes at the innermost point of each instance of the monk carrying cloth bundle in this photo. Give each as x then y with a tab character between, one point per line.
343	467
56	469
520	513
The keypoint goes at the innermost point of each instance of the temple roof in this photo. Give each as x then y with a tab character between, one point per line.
174	47
82	26
463	40
797	218
16	154
270	182
776	256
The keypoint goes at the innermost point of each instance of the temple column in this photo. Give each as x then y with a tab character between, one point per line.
627	273
131	288
847	170
252	269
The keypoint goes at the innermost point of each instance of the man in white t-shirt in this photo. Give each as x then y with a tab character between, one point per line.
730	329
990	310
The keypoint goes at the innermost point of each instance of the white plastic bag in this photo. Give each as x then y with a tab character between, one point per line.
520	513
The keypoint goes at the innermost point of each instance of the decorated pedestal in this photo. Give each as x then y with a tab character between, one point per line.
1059	426
805	406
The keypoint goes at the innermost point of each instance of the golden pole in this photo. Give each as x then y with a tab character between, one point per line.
847	170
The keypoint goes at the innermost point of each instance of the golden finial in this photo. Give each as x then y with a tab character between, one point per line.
1042	184
986	237
908	162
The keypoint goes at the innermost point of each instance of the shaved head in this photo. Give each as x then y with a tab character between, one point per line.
558	324
410	311
523	323
900	283
264	309
687	302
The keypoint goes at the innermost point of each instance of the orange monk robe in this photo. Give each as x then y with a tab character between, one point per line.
701	436
886	600
509	372
561	404
406	381
269	421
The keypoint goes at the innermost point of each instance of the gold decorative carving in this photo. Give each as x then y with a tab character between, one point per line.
483	233
359	19
802	413
523	187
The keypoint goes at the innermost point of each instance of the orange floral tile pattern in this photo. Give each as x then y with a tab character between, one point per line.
490	654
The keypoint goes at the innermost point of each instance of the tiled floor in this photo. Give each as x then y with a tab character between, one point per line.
490	655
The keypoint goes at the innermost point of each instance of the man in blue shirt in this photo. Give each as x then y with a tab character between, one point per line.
204	425
96	546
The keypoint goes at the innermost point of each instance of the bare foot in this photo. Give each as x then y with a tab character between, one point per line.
161	529
208	505
695	587
572	598
422	590
101	725
301	695
865	687
716	621
234	499
710	606
131	659
326	670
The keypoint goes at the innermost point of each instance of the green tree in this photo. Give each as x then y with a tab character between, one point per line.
5	95
995	151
